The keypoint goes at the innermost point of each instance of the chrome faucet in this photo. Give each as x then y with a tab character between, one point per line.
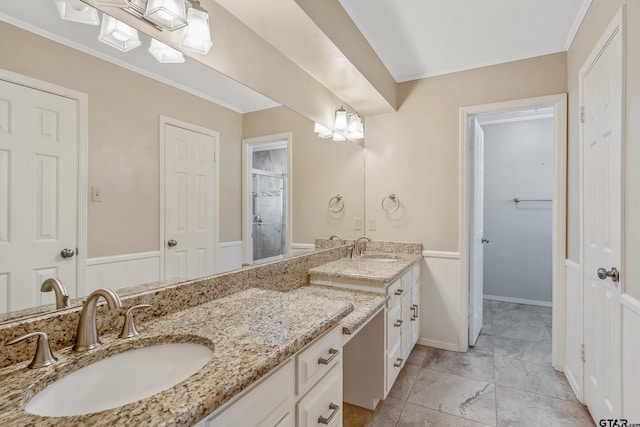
357	246
62	297
87	335
336	237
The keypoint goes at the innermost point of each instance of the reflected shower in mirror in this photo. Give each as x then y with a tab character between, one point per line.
114	102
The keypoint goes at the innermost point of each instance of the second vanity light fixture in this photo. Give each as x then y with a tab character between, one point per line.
169	15
347	126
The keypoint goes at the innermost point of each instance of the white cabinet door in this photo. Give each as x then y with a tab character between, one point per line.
415	316
38	194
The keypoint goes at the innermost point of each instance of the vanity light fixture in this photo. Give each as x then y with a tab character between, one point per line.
164	53
114	3
118	34
197	35
322	131
355	129
168	14
341	119
77	11
338	137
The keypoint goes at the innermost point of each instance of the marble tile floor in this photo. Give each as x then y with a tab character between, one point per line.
506	380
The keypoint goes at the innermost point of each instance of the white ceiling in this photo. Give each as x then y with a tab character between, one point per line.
41	17
423	38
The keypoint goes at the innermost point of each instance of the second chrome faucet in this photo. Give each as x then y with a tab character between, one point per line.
87	334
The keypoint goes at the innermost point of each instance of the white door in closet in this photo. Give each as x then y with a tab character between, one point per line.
189	201
601	80
476	235
38	194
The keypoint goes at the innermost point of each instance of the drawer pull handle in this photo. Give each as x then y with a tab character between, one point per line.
333	352
399	291
398	323
334	410
398	363
414	308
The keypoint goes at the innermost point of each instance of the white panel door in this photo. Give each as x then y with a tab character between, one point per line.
189	203
602	143
476	250
38	194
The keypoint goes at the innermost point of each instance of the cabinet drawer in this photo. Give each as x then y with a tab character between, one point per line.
317	359
394	364
322	406
394	292
265	405
394	324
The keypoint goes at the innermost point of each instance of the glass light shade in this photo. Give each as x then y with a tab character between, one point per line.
337	136
118	34
341	119
355	130
77	11
322	131
169	14
114	3
165	54
197	36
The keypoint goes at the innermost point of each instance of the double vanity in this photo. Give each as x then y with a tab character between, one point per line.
266	348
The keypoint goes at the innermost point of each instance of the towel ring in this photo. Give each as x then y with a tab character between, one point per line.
336	204
395	200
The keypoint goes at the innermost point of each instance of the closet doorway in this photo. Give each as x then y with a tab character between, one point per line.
512	236
266	164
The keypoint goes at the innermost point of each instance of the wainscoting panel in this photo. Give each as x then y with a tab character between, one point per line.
630	352
440	300
229	256
121	271
574	367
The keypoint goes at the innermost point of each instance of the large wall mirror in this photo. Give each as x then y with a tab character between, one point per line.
131	120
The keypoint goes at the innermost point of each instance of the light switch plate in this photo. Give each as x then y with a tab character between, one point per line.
96	194
357	223
371	224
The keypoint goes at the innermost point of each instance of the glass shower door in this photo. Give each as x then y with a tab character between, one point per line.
269	239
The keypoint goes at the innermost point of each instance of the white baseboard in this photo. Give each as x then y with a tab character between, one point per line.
630	351
441	254
121	271
518	300
438	344
229	256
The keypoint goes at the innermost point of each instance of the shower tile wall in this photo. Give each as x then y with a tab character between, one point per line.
268	204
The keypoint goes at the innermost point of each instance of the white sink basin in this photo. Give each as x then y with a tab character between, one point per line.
120	379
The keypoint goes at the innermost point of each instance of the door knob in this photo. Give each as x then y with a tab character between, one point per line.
614	274
171	243
67	253
484	240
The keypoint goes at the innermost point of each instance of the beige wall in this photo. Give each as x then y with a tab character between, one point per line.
321	169
123	139
414	152
594	24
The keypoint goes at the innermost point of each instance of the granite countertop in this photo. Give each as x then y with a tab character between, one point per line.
366	304
360	268
251	333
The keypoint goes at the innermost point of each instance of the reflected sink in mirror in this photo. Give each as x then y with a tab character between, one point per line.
117	380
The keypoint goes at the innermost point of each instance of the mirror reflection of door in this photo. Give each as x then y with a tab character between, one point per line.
266	220
38	194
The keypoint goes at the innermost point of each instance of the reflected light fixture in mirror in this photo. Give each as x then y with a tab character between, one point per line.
355	129
322	131
165	54
168	14
197	36
118	34
77	11
340	123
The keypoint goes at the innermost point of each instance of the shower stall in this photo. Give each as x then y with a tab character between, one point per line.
269	210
